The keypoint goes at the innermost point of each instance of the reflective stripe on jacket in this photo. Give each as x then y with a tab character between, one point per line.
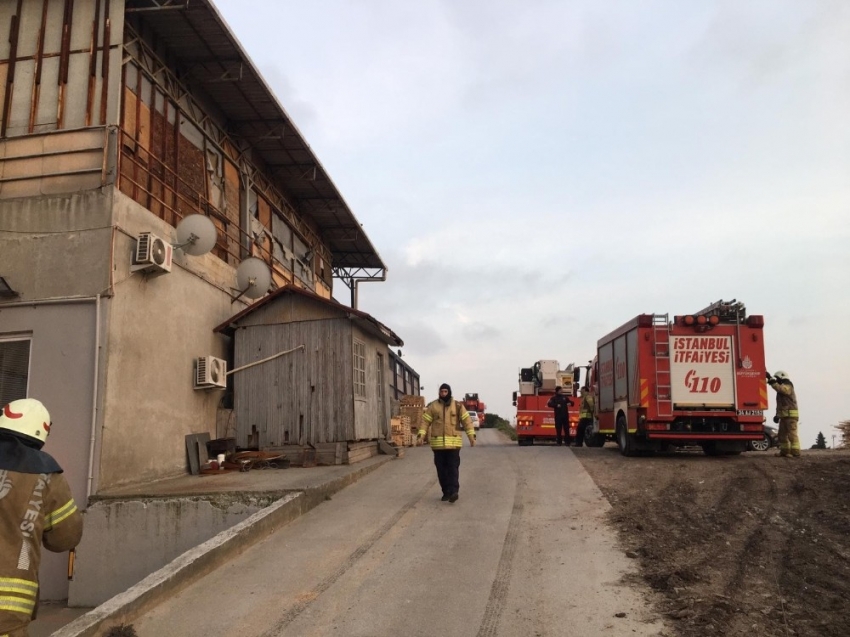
445	423
35	510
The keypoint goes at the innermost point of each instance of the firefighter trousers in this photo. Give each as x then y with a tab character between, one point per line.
583	424
447	462
789	441
562	427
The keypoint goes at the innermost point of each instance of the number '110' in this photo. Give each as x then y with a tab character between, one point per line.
701	384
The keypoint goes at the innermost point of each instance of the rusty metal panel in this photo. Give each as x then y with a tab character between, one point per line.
7	10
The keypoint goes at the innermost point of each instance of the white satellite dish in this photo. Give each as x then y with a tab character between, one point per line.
253	278
196	235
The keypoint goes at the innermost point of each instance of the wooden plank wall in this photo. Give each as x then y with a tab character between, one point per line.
301	398
372	415
54	74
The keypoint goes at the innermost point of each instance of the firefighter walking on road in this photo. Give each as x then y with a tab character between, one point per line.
444	420
787	414
36	508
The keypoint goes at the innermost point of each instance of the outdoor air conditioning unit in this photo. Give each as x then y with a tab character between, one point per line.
210	372
152	255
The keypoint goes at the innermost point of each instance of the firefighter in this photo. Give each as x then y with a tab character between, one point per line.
36	508
443	420
787	414
559	403
585	415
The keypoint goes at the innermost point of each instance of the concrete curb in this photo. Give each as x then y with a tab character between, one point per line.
195	563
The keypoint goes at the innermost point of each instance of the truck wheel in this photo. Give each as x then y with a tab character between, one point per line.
593	440
625	440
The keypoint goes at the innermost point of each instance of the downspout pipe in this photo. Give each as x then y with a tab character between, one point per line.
371	279
90	480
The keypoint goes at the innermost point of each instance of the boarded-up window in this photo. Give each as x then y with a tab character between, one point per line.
14	369
359	369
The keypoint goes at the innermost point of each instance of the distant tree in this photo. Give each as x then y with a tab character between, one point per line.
844	428
493	420
820	441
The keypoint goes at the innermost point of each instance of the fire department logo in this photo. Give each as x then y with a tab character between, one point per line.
747	363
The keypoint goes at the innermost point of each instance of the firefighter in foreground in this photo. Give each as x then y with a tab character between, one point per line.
444	420
36	507
787	414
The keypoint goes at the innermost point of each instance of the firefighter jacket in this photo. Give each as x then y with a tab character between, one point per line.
586	409
786	399
35	509
561	404
444	424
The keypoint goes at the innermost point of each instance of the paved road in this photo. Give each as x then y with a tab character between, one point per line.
525	551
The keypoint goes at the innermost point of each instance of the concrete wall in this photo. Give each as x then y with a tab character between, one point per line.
127	540
57	246
158	326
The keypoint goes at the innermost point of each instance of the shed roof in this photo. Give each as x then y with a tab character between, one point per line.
216	64
362	319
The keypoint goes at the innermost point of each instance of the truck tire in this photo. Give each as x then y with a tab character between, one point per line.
625	440
593	440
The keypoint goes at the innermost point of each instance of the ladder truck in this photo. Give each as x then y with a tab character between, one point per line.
534	420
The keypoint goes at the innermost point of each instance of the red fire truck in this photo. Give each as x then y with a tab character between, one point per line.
534	420
698	380
471	402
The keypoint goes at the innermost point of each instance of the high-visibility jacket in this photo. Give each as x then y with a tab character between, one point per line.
35	509
445	423
786	399
586	409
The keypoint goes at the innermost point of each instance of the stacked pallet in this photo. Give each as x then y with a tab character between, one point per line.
402	435
412	407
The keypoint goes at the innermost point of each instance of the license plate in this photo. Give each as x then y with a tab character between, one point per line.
750	412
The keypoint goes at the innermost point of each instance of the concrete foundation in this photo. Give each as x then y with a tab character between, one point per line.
127	540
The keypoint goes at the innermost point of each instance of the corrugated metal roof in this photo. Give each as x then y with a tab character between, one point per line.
364	320
213	62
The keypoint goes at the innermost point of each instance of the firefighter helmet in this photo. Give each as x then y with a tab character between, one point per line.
780	375
27	417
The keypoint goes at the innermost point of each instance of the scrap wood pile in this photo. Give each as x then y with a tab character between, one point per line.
411	409
402	435
246	461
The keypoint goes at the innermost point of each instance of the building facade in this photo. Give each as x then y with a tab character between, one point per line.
119	118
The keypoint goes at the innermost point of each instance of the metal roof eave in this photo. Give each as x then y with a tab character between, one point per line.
217	64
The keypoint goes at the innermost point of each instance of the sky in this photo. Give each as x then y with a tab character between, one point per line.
536	173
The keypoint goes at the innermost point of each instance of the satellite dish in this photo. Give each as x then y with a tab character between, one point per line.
253	278
196	235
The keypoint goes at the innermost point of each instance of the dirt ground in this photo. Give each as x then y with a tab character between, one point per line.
744	545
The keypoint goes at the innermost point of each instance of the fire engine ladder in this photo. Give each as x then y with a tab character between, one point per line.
661	351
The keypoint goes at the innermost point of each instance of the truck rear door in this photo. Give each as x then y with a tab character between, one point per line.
702	371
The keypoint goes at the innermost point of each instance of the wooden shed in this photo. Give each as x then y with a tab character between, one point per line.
308	371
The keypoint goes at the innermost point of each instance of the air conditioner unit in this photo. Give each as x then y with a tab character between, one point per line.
210	372
152	255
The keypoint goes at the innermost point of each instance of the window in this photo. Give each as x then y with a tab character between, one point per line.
359	369
14	369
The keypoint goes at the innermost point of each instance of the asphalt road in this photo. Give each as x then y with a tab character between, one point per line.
525	551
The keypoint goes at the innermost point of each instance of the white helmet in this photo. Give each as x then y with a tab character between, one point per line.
27	417
780	375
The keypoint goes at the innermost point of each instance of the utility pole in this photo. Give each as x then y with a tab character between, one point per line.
833	441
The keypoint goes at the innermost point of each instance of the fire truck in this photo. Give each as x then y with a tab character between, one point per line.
472	403
698	380
534	420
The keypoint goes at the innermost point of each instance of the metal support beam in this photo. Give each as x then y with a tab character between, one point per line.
352	277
